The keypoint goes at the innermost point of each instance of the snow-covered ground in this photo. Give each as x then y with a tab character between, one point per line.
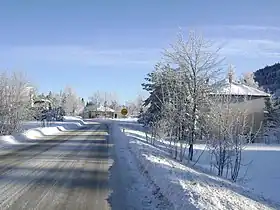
132	187
33	130
153	180
129	119
189	188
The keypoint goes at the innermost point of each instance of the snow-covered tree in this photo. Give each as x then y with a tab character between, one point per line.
155	100
198	64
135	105
179	88
98	99
71	102
248	79
272	119
15	101
229	129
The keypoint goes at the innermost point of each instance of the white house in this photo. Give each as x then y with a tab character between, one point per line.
91	111
245	98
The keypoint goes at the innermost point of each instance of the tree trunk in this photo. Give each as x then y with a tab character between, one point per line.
190	152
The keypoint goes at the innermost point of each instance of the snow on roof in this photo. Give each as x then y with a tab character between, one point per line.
235	88
103	109
42	100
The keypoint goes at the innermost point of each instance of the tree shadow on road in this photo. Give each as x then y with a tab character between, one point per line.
61	177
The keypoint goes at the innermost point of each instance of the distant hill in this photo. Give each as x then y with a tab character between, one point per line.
269	77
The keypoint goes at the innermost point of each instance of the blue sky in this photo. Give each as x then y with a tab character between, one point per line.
111	45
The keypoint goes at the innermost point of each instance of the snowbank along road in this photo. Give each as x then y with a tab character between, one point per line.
68	171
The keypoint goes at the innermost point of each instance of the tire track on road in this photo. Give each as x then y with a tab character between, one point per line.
43	191
12	189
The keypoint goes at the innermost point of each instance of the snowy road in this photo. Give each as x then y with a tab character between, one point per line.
69	171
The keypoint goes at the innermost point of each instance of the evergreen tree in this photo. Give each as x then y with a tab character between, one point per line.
154	101
271	113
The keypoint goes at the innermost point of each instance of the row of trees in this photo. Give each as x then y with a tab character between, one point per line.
17	101
184	106
18	96
111	100
67	99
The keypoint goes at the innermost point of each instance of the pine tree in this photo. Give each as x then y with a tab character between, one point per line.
271	113
153	101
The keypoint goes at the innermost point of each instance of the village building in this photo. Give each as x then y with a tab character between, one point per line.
244	98
92	111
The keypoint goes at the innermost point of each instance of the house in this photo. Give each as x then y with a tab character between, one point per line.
245	98
92	111
42	103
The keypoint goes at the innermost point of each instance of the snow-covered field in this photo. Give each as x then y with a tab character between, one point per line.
189	188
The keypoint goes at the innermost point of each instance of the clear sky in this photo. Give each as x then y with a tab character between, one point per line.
111	45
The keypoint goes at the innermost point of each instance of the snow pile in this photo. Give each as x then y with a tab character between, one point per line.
69	121
70	118
8	139
33	130
126	119
188	188
36	133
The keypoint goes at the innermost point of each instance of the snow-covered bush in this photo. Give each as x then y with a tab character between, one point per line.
229	130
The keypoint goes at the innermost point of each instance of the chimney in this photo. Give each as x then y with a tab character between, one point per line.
230	77
230	74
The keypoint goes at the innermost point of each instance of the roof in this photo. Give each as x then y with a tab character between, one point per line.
235	88
42	100
103	109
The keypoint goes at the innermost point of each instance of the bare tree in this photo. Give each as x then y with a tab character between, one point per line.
230	128
199	67
131	107
248	78
99	98
70	101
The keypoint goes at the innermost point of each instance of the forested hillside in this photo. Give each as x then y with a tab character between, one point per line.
269	77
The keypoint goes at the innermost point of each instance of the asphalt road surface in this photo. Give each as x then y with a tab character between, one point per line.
69	171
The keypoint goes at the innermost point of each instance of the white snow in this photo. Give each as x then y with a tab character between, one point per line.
105	109
32	130
137	190
235	88
126	119
8	139
261	170
69	118
193	188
